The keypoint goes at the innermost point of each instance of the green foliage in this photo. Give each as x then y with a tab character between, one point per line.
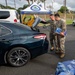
8	7
62	9
2	6
25	6
18	10
69	21
21	8
42	0
5	7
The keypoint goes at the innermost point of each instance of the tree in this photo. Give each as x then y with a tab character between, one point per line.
28	2
5	7
43	2
21	8
25	6
33	1
62	9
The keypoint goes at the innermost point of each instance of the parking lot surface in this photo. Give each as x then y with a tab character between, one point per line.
44	64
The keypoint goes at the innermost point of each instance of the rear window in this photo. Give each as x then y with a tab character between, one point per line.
17	15
4	14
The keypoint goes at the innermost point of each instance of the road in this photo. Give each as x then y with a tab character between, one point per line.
44	64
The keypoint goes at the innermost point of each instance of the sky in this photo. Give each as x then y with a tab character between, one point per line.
56	3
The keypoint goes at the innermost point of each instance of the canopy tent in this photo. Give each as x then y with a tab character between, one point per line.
35	9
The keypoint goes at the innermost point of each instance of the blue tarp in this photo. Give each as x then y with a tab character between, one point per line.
66	68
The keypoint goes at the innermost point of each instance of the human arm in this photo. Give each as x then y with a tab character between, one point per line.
63	27
45	22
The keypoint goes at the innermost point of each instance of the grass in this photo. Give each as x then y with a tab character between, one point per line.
69	21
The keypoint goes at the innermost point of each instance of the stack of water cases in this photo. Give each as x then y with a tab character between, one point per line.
66	68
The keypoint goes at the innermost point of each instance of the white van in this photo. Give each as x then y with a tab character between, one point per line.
9	15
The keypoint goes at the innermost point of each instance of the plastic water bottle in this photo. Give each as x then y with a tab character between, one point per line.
61	67
71	69
70	72
66	73
63	73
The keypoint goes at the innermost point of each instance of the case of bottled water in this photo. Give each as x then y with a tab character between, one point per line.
66	68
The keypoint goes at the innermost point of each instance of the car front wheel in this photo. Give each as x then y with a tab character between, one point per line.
18	56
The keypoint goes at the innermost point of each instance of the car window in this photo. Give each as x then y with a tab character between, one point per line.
4	14
17	15
4	31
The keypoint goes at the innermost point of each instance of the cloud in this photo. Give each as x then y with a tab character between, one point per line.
57	4
19	3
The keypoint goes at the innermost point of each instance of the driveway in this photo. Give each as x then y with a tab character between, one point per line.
44	64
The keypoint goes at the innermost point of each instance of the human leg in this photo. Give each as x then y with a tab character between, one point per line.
62	47
57	44
51	42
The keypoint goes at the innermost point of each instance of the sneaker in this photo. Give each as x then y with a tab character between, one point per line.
52	48
62	55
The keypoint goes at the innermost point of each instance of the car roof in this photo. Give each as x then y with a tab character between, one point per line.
7	10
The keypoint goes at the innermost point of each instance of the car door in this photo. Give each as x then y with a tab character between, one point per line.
5	34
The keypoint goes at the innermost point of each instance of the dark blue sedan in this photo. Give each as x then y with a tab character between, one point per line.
19	43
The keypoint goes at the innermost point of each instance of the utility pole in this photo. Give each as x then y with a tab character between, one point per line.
65	10
32	1
44	4
6	2
53	6
15	4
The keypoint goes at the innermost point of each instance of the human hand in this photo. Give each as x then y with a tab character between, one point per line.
62	33
43	20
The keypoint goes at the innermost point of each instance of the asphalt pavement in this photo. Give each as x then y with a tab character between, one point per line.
46	63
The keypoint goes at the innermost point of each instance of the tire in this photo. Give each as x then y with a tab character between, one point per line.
18	56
